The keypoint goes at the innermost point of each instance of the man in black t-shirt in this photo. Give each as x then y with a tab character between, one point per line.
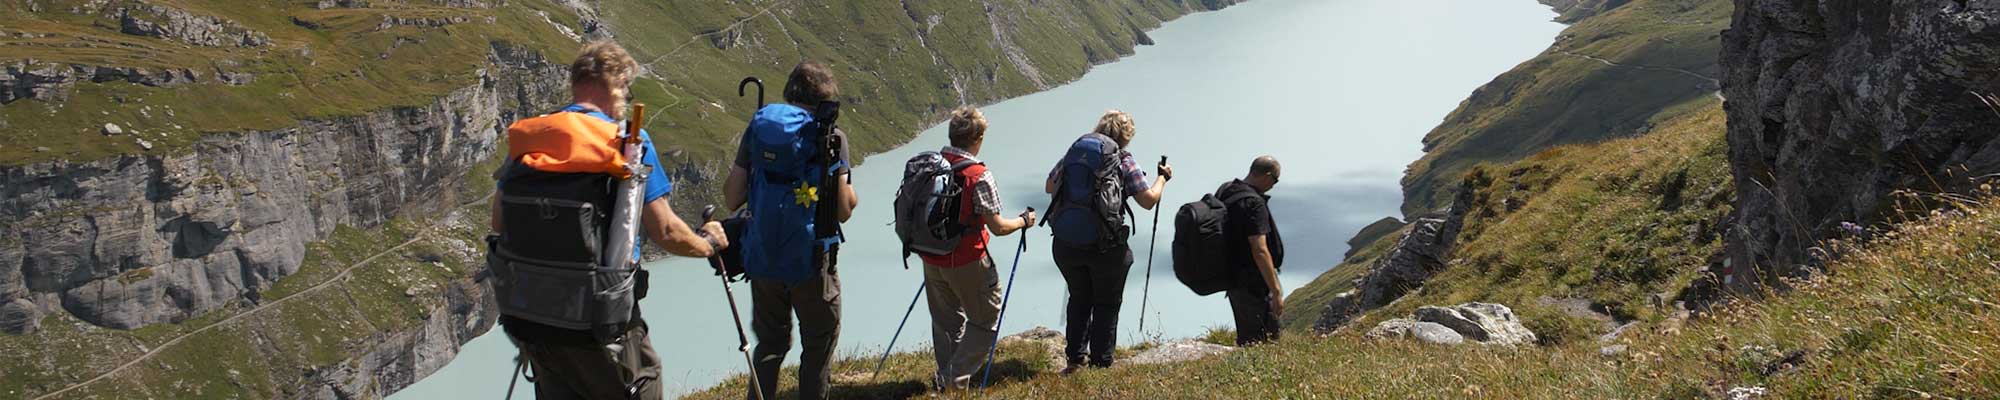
1255	253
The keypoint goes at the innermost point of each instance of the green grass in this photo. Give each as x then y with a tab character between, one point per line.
1616	224
1909	316
1556	98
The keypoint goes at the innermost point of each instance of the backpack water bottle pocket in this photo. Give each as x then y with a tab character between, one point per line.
558	297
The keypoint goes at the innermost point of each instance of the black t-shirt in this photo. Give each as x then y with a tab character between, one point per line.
1249	215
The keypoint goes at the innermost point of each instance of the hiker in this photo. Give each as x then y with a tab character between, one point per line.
791	172
1087	212
565	156
963	284
1255	251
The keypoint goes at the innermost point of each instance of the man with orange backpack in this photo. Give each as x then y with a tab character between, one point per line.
567	291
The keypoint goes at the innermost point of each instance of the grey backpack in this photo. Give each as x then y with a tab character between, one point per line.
927	204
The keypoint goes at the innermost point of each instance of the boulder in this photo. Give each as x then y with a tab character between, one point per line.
1427	332
1482	322
112	130
19	317
1180	352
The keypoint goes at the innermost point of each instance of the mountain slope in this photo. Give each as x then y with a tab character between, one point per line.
1620	226
1607	76
1587	233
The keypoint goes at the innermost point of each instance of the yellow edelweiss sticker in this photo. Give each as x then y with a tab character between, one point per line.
805	194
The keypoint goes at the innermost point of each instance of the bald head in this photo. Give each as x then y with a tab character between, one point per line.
1265	165
1263	173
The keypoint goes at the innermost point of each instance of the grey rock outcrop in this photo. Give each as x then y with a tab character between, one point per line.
145	239
178	25
1421	252
51	82
1051	341
1182	351
1484	323
1427	332
1833	106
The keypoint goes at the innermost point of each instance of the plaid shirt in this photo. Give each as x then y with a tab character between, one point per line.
985	193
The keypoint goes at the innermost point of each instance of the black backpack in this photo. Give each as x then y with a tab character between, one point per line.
548	263
1201	256
1201	242
1088	209
927	204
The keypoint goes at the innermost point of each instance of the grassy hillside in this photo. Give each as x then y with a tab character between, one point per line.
1614	225
1607	76
318	64
902	64
1908	316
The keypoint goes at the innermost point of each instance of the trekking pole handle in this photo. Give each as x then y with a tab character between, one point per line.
1162	169
708	213
636	124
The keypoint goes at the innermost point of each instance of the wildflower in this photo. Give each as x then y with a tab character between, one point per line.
1851	229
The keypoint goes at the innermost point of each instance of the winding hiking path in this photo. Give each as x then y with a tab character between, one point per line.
342	276
1698	75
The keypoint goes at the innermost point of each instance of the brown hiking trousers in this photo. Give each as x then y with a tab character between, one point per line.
817	304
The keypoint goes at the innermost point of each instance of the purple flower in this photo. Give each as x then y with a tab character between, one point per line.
1851	229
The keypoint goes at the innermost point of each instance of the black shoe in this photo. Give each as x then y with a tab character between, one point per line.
1071	369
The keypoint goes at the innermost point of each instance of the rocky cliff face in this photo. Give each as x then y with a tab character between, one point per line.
145	239
1418	254
1833	106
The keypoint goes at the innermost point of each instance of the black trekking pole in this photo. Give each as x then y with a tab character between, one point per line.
1147	293
899	330
742	340
987	379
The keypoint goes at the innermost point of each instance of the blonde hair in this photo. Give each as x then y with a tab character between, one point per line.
968	125
604	62
1118	125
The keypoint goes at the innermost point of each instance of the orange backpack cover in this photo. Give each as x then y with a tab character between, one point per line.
567	142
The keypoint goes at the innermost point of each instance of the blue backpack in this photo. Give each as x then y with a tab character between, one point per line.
1088	210
788	164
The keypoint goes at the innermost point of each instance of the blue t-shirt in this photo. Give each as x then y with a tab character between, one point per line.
657	183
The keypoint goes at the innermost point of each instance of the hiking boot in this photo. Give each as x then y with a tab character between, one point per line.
1071	369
